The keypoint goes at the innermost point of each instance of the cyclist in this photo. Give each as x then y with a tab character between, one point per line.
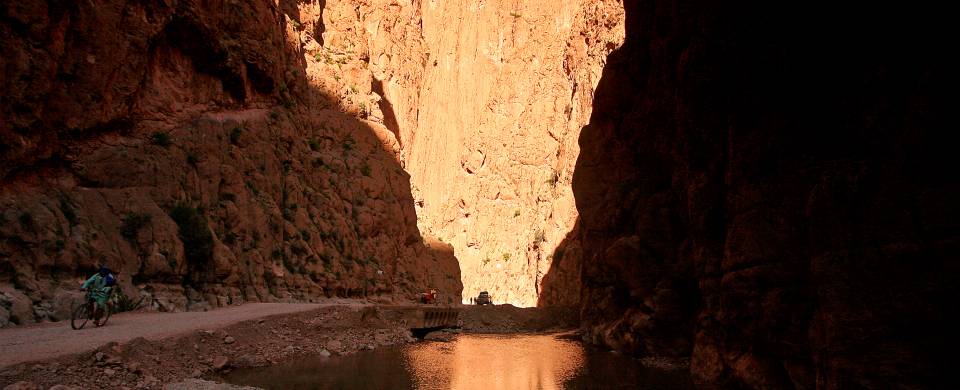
99	285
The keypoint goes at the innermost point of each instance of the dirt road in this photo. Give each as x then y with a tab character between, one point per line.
45	341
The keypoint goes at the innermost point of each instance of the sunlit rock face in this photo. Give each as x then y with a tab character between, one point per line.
506	87
773	193
210	152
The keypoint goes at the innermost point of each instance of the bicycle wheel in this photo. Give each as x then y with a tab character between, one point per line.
79	317
107	310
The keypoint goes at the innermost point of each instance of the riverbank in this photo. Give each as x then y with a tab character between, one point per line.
208	351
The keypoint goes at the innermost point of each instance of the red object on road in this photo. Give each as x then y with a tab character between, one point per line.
429	296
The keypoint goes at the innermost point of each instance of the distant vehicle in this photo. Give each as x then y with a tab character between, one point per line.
429	296
484	298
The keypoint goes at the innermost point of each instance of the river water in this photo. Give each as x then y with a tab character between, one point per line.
482	362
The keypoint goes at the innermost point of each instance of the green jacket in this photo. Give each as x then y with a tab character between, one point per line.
97	285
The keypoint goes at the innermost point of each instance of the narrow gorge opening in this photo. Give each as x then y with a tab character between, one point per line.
764	195
504	93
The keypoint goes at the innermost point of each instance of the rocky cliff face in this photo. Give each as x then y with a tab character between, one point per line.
771	192
211	152
286	129
506	87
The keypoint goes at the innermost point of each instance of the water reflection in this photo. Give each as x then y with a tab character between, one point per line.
493	362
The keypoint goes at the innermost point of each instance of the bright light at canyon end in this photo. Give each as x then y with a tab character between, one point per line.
492	157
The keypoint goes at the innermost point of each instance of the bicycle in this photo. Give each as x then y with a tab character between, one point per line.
86	312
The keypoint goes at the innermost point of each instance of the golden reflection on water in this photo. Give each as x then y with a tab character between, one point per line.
492	362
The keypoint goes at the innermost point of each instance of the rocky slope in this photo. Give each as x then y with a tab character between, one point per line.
506	87
211	152
771	192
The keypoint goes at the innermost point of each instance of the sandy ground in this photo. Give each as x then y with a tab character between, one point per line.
51	340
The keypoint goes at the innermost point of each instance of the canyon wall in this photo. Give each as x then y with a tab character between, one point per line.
506	87
286	129
772	192
210	152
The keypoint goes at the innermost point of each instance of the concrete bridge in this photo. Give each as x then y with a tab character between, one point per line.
430	316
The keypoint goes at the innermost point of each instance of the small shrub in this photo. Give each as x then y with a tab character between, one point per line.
230	238
276	254
305	235
516	213
252	187
314	144
131	225
161	139
235	135
506	257
228	197
365	170
317	57
192	159
516	14
298	250
539	237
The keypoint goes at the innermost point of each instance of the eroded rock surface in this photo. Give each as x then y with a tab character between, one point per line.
211	153
506	87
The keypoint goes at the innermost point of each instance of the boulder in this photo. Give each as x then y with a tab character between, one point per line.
18	304
4	317
335	345
220	362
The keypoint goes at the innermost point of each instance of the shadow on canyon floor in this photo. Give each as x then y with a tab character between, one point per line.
283	194
775	201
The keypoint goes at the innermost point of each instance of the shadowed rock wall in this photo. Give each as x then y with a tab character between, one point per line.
772	192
